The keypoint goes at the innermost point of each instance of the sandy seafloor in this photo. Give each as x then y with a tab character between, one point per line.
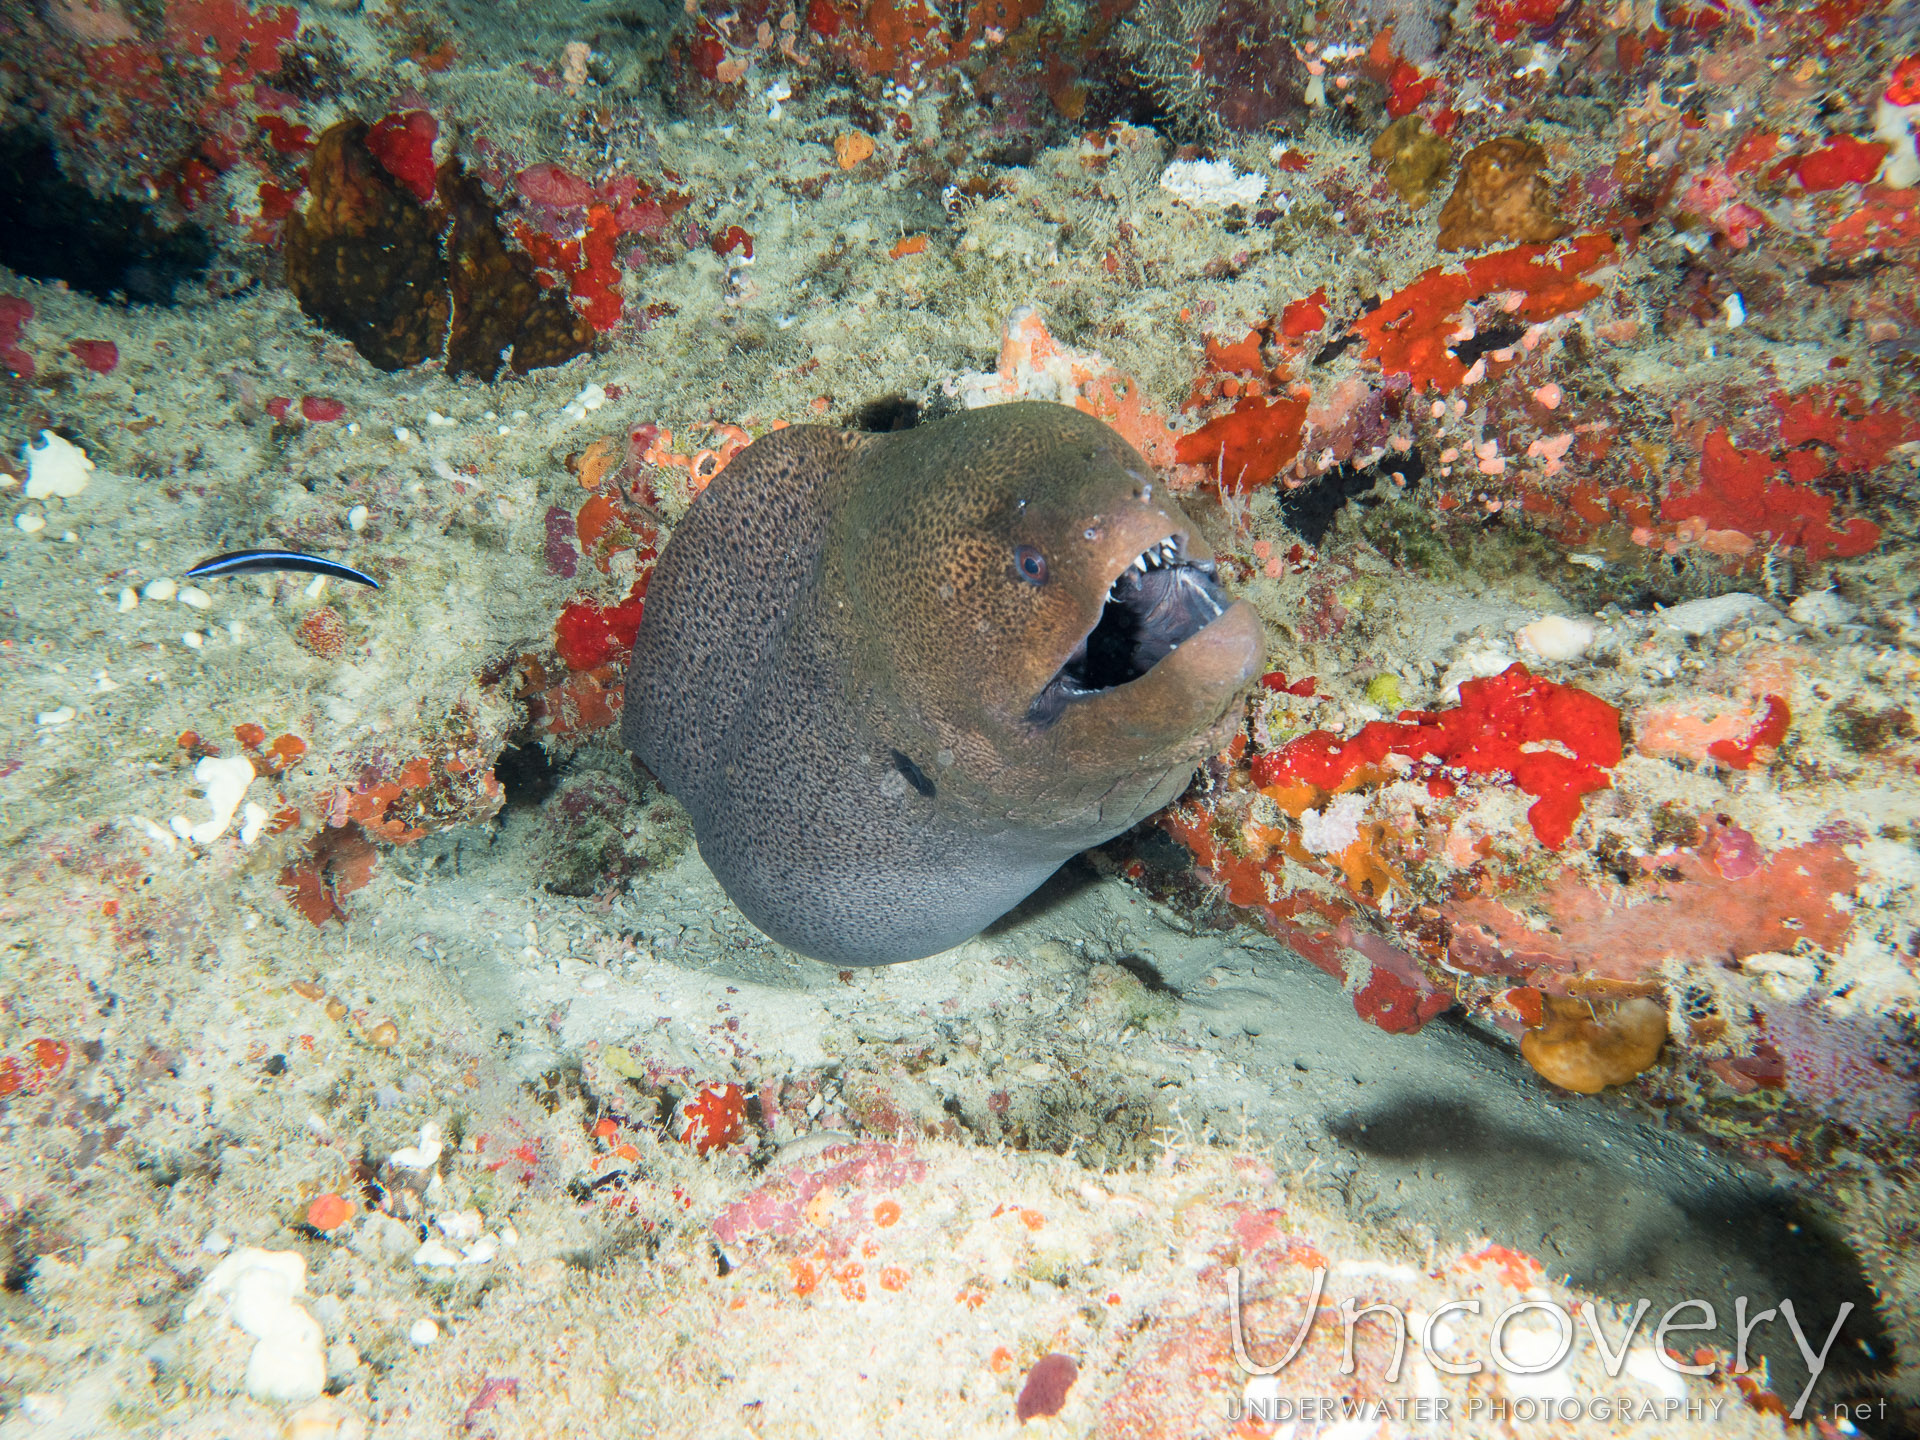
1058	1139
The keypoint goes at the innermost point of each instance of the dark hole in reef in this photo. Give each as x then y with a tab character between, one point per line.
276	1065
1496	336
19	1274
916	777
1333	351
112	248
1311	510
526	774
1144	970
887	414
1116	92
1606	1230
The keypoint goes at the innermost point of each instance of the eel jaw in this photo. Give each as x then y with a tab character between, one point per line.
1159	601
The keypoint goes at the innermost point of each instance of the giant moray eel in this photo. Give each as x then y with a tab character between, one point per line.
898	679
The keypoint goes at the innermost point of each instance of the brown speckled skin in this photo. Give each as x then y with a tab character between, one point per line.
833	599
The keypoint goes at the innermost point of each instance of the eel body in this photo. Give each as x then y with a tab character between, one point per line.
897	680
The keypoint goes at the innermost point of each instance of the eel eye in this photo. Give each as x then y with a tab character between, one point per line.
1031	564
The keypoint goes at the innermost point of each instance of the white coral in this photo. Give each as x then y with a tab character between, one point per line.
1212	182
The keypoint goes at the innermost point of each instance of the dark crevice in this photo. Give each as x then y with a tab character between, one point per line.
526	774
1311	510
887	414
1498	335
109	247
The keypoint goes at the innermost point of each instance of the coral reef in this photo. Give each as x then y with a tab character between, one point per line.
1544	376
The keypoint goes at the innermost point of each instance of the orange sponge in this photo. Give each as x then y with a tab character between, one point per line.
1587	1046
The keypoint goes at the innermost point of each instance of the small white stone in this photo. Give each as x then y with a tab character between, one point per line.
403	435
56	467
165	588
423	1155
1556	638
1823	608
154	832
357	519
42	1408
193	639
1735	309
439	421
128	599
196	597
316	587
1896	124
591	397
1656	1372
225	782
438	1254
459	1225
30	523
103	682
253	819
1715	612
1785	977
423	1332
64	715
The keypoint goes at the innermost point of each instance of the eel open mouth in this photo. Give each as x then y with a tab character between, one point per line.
1156	603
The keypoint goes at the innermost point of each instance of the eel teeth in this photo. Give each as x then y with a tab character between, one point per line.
1158	557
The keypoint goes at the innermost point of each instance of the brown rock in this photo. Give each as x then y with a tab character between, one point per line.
1586	1046
1415	157
498	306
1500	198
364	259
